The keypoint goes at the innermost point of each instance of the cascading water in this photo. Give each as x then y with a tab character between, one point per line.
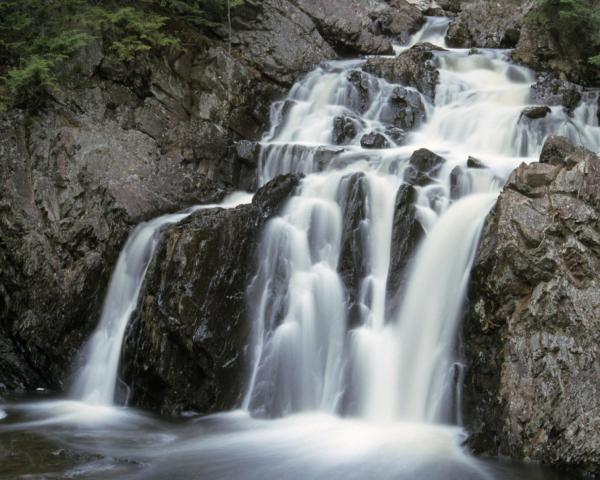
96	381
307	356
329	335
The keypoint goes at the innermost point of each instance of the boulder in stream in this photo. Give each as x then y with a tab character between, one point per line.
186	348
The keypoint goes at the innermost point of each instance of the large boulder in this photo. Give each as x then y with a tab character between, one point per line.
397	18
532	328
414	67
346	25
551	90
186	348
486	24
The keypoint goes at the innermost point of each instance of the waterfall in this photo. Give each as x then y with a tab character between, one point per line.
310	351
96	382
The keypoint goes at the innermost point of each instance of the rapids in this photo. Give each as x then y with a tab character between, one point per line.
376	396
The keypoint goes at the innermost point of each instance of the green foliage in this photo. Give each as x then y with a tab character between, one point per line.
37	36
575	24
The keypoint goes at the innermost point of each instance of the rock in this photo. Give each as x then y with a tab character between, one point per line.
536	112
346	25
397	18
186	348
280	40
473	162
407	233
404	109
344	129
459	183
486	24
422	167
360	94
559	151
532	330
414	67
72	189
374	140
397	135
550	90
352	196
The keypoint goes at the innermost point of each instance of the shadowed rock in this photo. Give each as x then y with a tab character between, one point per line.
423	166
186	348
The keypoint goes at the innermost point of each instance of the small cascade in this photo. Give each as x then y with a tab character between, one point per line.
96	382
334	340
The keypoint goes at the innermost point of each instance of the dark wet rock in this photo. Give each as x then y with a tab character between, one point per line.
397	135
486	24
374	140
186	348
407	233
473	162
550	90
396	18
423	166
346	25
361	86
414	67
532	331
536	112
352	267
344	129
405	109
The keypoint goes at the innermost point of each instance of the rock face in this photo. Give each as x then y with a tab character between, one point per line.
186	348
396	18
414	67
532	328
71	191
486	24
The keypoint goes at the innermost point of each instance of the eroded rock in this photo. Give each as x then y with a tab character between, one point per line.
186	348
532	331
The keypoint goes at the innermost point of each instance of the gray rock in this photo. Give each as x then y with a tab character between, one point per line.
559	151
486	24
532	331
344	129
405	109
550	90
186	348
414	67
423	166
374	140
396	18
473	162
346	25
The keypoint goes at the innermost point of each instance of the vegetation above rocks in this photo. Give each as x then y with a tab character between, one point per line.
574	25
37	36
